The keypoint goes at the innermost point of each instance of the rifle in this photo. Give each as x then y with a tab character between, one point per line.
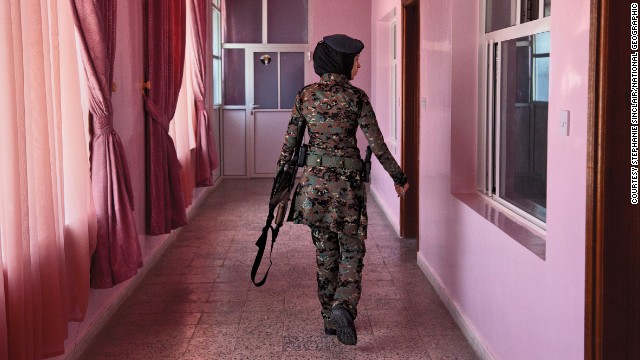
280	193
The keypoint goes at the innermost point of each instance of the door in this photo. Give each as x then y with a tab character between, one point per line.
257	105
612	301
409	212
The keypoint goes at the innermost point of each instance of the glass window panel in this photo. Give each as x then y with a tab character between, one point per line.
234	77
394	41
291	77
243	21
394	105
265	81
542	42
216	46
541	46
217	81
287	22
523	129
541	79
529	10
500	14
547	8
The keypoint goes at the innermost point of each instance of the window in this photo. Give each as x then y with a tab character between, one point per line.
266	22
516	79
217	54
394	83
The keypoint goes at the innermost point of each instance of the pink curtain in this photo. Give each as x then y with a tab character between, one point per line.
206	154
46	217
182	131
165	61
117	256
4	334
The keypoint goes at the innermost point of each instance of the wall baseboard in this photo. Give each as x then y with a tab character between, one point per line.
85	339
468	330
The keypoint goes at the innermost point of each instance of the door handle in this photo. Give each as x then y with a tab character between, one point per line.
253	106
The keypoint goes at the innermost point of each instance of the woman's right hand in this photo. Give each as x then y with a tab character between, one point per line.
401	190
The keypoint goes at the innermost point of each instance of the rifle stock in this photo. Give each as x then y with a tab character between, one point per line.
280	194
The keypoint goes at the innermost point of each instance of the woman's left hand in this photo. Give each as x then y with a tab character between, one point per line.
401	190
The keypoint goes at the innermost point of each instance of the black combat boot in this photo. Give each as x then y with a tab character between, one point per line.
329	328
345	329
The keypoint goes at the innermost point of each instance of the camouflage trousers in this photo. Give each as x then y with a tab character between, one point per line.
339	260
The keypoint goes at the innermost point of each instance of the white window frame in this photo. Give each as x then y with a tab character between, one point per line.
394	83
488	128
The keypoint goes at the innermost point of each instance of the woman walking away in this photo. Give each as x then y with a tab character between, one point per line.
331	196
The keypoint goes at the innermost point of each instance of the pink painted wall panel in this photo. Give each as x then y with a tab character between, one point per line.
464	108
382	12
351	18
520	306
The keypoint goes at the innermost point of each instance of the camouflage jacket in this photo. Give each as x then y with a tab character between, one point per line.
335	197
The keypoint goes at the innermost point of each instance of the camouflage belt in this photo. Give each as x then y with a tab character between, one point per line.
333	161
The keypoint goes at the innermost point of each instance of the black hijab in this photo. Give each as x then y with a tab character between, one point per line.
336	54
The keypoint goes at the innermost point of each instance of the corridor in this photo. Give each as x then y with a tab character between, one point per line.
198	302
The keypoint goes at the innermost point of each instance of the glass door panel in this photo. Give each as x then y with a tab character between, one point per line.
275	86
243	22
234	79
265	80
261	83
291	77
287	22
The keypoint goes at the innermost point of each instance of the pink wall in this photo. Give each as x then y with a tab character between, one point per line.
518	305
382	13
351	18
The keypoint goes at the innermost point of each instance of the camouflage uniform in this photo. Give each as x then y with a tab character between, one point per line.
332	199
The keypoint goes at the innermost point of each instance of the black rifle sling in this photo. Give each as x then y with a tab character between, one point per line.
262	240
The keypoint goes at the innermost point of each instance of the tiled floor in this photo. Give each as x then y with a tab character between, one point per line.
198	301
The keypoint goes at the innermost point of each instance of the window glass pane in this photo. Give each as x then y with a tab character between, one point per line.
523	125
243	21
541	67
287	22
541	79
528	10
547	8
500	14
217	81
394	41
394	105
216	34
291	77
234	77
542	42
265	80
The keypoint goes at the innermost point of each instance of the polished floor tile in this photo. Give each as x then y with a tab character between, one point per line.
198	301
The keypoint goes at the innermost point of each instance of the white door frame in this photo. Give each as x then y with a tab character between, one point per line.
249	50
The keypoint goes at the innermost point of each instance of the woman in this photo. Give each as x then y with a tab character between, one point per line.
331	197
